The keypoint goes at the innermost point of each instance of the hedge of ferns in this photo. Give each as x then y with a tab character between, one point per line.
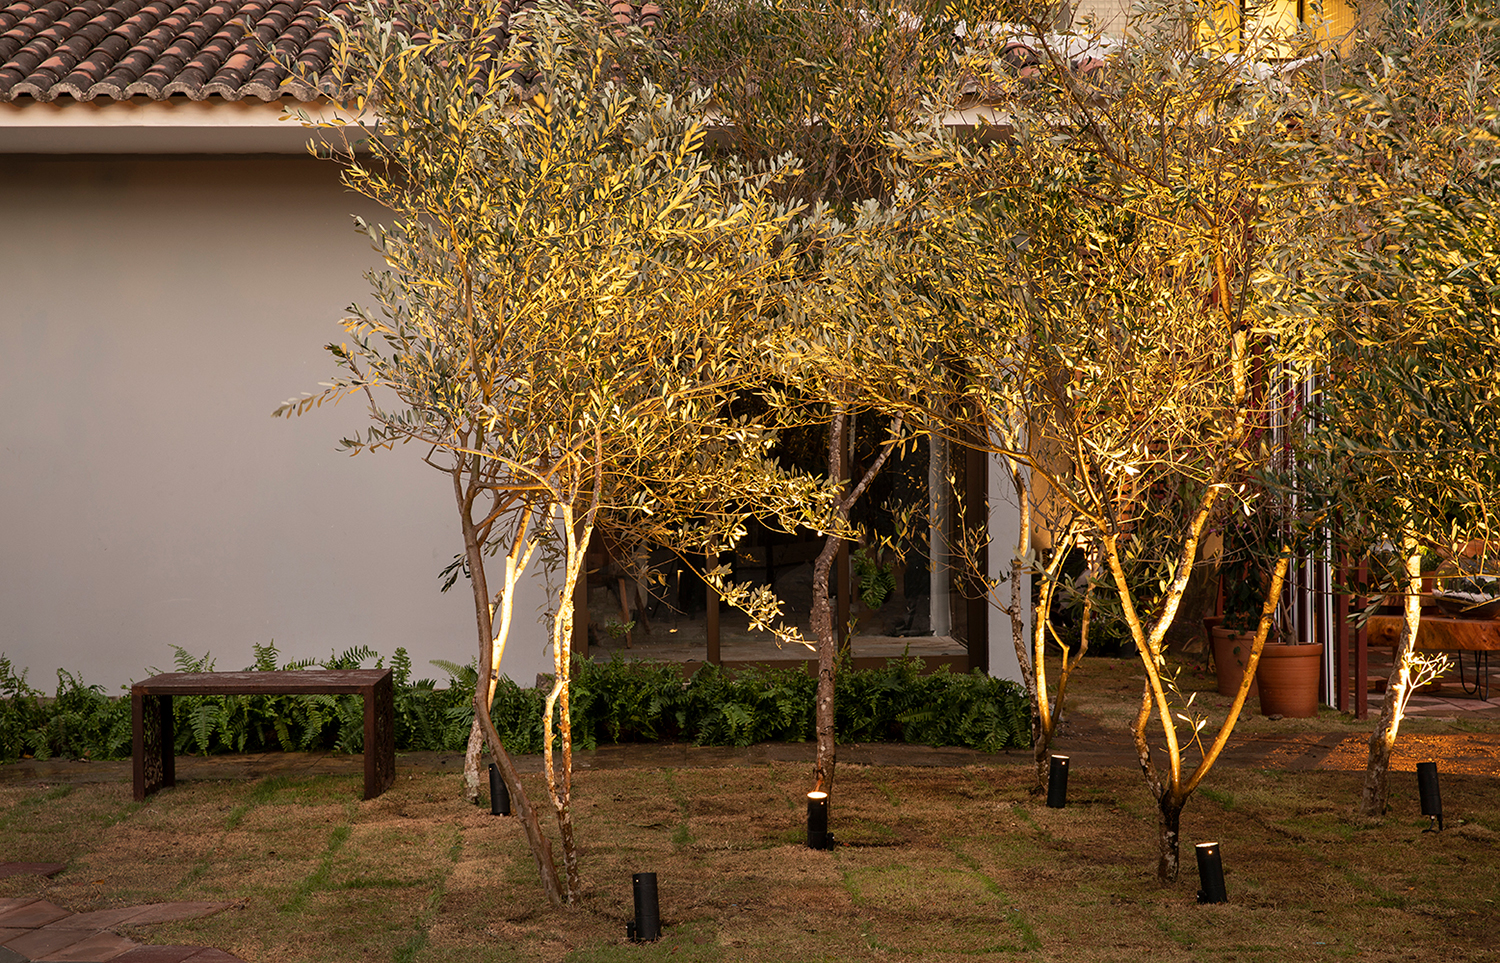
615	701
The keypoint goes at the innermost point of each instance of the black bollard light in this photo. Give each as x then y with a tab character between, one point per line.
1211	874
499	795
646	927
1057	783
817	821
1427	786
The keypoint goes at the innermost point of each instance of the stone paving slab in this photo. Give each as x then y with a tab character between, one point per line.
158	954
35	913
99	919
45	941
174	912
98	948
37	931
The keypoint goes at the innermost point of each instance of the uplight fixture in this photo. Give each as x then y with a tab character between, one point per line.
1427	787
499	795
646	927
817	821
1211	874
1057	783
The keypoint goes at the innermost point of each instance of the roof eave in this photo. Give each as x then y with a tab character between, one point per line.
175	126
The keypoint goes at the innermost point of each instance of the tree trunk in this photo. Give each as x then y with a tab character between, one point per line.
1374	798
471	760
824	632
560	779
1044	711
1168	822
822	624
822	613
541	847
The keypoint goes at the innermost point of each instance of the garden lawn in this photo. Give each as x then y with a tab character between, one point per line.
935	864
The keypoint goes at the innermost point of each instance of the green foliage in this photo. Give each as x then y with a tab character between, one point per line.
613	702
898	702
79	721
619	701
876	582
753	705
19	708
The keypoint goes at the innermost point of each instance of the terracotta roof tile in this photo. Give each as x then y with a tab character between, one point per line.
117	49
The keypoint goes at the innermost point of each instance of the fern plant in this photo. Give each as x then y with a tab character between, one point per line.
614	701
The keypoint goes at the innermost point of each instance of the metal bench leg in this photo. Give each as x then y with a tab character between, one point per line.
1481	686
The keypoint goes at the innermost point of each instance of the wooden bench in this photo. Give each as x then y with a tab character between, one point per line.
1437	634
151	715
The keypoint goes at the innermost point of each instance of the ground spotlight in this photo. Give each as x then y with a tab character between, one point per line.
646	927
1427	786
499	795
817	821
1057	783
1211	874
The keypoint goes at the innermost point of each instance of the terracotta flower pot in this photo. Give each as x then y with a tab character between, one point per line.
1231	652
1289	677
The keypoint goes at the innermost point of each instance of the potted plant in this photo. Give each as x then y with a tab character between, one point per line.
1288	673
1242	595
1233	634
1469	596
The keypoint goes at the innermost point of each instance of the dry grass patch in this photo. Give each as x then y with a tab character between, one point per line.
936	865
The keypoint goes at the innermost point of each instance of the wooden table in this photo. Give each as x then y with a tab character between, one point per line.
152	737
1436	634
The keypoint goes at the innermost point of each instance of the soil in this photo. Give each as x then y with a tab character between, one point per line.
948	856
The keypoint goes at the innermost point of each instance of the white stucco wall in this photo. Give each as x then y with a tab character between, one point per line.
153	312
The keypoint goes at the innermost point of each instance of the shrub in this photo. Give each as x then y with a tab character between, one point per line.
613	701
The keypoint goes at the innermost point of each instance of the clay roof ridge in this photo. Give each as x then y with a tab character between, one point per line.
230	49
12	15
245	62
284	30
317	51
212	54
86	31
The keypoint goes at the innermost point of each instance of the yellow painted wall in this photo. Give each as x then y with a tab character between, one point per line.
1267	29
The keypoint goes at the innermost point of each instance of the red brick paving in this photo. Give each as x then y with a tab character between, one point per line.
158	954
32	914
45	941
36	930
91	949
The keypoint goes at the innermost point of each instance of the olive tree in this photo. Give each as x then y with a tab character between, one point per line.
569	284
1125	222
855	334
1408	446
